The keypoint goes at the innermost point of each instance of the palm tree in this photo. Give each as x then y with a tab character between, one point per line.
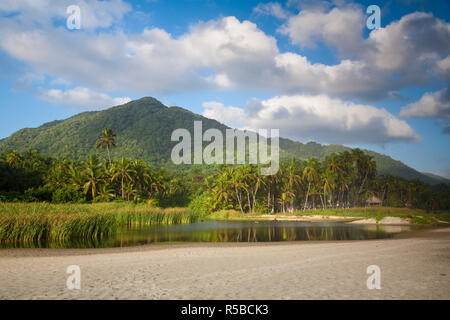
221	185
106	191
122	170
59	173
106	139
271	183
328	180
310	175
93	181
76	177
14	159
142	177
293	178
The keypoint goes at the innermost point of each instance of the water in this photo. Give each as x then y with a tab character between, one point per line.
229	231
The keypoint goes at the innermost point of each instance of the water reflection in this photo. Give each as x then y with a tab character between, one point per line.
227	231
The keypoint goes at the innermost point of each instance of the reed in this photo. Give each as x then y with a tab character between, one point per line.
43	221
141	216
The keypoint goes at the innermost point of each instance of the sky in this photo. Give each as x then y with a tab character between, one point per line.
312	69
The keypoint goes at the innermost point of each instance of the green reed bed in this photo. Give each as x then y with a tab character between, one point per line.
141	216
43	221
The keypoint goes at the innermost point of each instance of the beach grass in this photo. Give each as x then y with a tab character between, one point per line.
44	221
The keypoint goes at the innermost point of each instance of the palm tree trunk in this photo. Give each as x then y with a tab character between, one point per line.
238	196
307	194
123	194
249	202
109	156
93	191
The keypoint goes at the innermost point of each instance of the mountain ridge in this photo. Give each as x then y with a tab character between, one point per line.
143	129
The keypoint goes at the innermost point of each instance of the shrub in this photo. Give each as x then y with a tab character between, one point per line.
43	193
200	205
67	194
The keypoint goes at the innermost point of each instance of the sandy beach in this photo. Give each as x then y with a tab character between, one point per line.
413	266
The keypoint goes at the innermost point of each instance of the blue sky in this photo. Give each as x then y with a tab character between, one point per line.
310	68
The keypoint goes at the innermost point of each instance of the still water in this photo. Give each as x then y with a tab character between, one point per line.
229	231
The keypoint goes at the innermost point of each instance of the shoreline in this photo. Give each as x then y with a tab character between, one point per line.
428	233
413	266
388	220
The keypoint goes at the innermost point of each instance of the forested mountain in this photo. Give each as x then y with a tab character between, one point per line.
144	127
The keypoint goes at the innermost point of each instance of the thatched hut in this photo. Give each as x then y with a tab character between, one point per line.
373	202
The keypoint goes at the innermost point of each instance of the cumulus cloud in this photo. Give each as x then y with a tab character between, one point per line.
319	118
82	98
271	9
227	53
412	47
339	27
232	116
444	67
94	13
430	105
214	54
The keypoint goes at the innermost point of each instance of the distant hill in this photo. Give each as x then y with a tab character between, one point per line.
144	128
437	178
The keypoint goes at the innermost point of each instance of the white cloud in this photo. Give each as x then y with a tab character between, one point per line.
94	13
232	116
319	118
153	61
227	53
339	27
431	105
412	47
82	98
444	67
271	9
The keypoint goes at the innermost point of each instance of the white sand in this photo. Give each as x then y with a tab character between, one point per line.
411	268
384	221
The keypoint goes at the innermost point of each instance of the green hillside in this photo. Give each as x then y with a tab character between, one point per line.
143	129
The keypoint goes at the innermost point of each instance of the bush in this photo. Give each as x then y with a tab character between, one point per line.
98	199
43	193
200	205
67	194
174	200
10	196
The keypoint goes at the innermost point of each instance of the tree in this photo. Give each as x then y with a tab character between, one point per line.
14	159
106	139
93	181
93	176
122	171
293	180
310	175
328	180
142	176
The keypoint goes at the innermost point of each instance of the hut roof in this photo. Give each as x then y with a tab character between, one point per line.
373	199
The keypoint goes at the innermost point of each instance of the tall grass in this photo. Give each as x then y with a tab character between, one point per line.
143	216
43	221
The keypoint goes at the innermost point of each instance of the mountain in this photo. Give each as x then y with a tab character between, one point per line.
144	128
437	178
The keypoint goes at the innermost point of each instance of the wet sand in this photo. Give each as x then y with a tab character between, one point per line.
414	265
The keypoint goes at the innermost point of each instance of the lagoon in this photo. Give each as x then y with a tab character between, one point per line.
227	231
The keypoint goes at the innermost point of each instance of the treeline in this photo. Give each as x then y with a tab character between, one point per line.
30	177
341	181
